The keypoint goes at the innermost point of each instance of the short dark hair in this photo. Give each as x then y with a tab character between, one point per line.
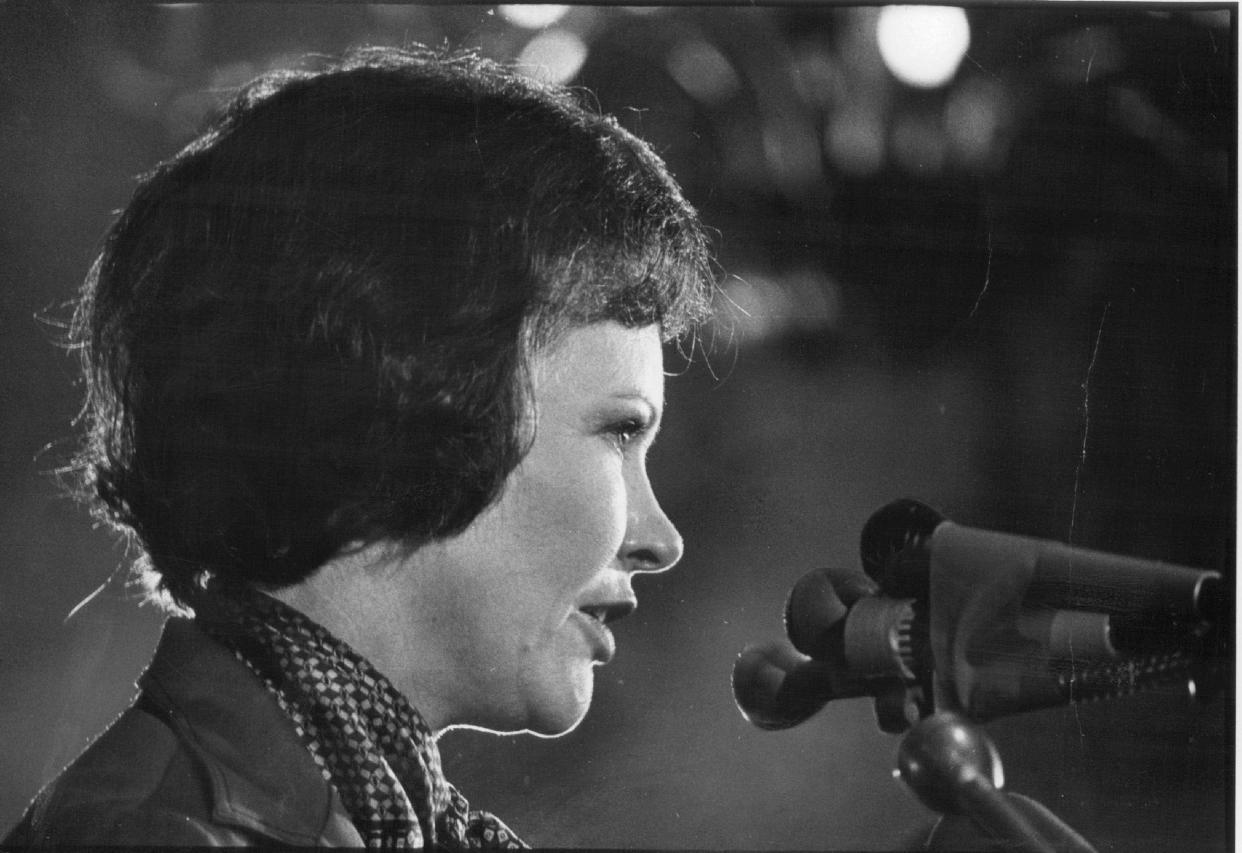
311	326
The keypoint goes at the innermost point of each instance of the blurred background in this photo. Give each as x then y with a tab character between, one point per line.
986	258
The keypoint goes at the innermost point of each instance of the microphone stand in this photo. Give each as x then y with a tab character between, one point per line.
955	769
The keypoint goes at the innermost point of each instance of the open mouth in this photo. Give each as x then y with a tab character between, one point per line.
606	613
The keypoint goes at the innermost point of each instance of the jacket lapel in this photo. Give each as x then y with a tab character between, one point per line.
262	777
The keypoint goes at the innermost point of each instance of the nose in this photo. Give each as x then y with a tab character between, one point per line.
652	543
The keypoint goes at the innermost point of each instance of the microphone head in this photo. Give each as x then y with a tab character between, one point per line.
815	616
816	610
895	547
941	755
776	687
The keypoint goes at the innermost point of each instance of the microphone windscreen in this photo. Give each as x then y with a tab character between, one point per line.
894	547
815	616
777	687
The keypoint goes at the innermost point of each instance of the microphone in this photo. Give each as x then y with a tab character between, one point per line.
954	768
776	687
902	540
1017	623
873	647
950	618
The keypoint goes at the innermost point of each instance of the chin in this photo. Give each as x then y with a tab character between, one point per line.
560	709
553	729
544	722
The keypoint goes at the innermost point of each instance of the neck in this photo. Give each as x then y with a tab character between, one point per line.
364	597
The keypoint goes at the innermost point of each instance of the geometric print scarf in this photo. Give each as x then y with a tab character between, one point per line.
370	744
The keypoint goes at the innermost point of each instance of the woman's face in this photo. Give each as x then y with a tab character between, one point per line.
523	595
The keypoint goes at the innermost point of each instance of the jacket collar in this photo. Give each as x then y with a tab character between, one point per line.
262	777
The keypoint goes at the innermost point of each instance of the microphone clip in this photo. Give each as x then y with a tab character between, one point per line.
841	618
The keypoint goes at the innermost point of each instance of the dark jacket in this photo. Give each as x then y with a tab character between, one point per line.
205	756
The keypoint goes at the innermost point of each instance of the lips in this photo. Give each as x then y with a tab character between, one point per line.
594	619
606	613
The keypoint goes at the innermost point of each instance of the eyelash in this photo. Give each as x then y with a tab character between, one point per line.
624	432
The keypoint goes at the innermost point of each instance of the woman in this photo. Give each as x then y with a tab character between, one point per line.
373	368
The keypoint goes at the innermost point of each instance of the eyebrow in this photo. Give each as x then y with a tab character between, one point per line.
638	396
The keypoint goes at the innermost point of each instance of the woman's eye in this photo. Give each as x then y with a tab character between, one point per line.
624	432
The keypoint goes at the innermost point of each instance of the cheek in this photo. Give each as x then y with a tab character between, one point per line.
594	516
578	517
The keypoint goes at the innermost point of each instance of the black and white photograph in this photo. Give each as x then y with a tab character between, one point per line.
691	426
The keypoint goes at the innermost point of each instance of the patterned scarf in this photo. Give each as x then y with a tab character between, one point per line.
366	738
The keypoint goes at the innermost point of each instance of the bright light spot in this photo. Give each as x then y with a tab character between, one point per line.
760	307
923	45
533	16
703	71
553	57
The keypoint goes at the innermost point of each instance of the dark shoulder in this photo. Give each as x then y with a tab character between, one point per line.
136	784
